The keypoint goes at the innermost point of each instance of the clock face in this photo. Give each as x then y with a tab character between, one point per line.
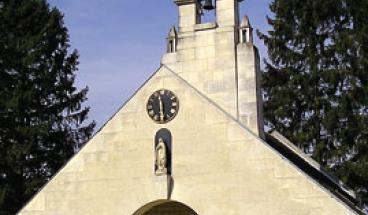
162	106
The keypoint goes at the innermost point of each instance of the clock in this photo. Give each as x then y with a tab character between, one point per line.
162	106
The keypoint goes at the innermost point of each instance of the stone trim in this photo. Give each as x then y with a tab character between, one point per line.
184	2
205	26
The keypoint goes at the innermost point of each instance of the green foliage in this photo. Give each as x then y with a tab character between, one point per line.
316	82
41	116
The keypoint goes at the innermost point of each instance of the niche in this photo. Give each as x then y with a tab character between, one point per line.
163	162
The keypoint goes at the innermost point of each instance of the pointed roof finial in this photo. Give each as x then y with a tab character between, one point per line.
245	22
172	32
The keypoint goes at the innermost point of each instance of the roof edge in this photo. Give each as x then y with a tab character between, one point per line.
314	170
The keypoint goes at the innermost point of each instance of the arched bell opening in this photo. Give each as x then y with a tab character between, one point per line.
165	207
207	11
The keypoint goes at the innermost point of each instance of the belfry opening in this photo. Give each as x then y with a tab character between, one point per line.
165	208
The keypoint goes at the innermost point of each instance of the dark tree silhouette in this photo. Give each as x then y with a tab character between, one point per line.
41	113
316	82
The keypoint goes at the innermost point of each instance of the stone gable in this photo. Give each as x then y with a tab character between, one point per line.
218	166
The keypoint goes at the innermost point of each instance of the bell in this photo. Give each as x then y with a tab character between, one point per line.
208	5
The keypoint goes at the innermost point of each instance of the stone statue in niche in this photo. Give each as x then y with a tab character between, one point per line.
161	158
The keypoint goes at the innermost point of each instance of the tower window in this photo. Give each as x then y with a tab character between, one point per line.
171	46
244	36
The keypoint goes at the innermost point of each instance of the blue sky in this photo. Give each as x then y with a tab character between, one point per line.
120	43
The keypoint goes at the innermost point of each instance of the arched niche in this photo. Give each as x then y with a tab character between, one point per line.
165	207
165	135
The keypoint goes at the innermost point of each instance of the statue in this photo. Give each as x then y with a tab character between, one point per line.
161	158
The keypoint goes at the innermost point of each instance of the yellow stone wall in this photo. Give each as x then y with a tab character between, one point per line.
219	166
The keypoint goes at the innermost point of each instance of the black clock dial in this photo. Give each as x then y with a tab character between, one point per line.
162	106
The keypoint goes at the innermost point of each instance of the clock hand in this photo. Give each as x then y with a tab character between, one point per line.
161	109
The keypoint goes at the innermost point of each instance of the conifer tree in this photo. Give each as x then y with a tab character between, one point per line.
316	82
42	120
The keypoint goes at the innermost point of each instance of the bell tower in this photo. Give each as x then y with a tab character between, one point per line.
218	58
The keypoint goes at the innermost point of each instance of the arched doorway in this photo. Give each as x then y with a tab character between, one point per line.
163	207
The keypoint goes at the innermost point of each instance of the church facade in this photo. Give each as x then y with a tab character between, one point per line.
190	141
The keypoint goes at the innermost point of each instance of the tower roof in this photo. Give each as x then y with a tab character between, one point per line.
172	32
245	22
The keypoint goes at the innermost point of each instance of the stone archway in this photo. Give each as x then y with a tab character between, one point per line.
163	207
